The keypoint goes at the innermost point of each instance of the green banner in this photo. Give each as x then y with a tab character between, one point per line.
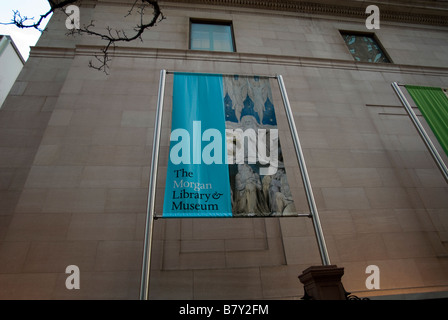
433	104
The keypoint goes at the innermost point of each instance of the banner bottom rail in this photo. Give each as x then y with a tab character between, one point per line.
298	215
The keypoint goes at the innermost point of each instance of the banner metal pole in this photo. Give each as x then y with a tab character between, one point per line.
305	178
421	130
146	263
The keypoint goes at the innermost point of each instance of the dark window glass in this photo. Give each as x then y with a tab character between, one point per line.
365	48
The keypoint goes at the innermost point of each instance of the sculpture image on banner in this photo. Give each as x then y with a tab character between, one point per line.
248	106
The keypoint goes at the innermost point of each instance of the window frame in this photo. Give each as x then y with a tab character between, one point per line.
212	22
375	38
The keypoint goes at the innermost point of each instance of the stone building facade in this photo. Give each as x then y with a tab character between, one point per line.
76	145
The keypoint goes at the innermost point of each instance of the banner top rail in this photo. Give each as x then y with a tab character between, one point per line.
222	74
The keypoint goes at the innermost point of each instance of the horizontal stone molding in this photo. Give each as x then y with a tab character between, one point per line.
237	57
52	52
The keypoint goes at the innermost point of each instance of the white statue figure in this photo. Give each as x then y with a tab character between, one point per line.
247	185
266	184
280	198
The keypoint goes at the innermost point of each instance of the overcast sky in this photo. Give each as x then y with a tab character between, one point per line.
23	38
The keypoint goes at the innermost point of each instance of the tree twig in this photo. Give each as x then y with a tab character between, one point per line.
112	36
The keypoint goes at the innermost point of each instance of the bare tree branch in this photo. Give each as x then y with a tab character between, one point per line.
24	22
112	36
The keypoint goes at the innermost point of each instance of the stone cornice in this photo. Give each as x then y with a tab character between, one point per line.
412	11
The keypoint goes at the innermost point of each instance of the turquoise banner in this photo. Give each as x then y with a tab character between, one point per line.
197	183
225	156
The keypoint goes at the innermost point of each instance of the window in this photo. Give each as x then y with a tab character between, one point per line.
216	36
365	47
